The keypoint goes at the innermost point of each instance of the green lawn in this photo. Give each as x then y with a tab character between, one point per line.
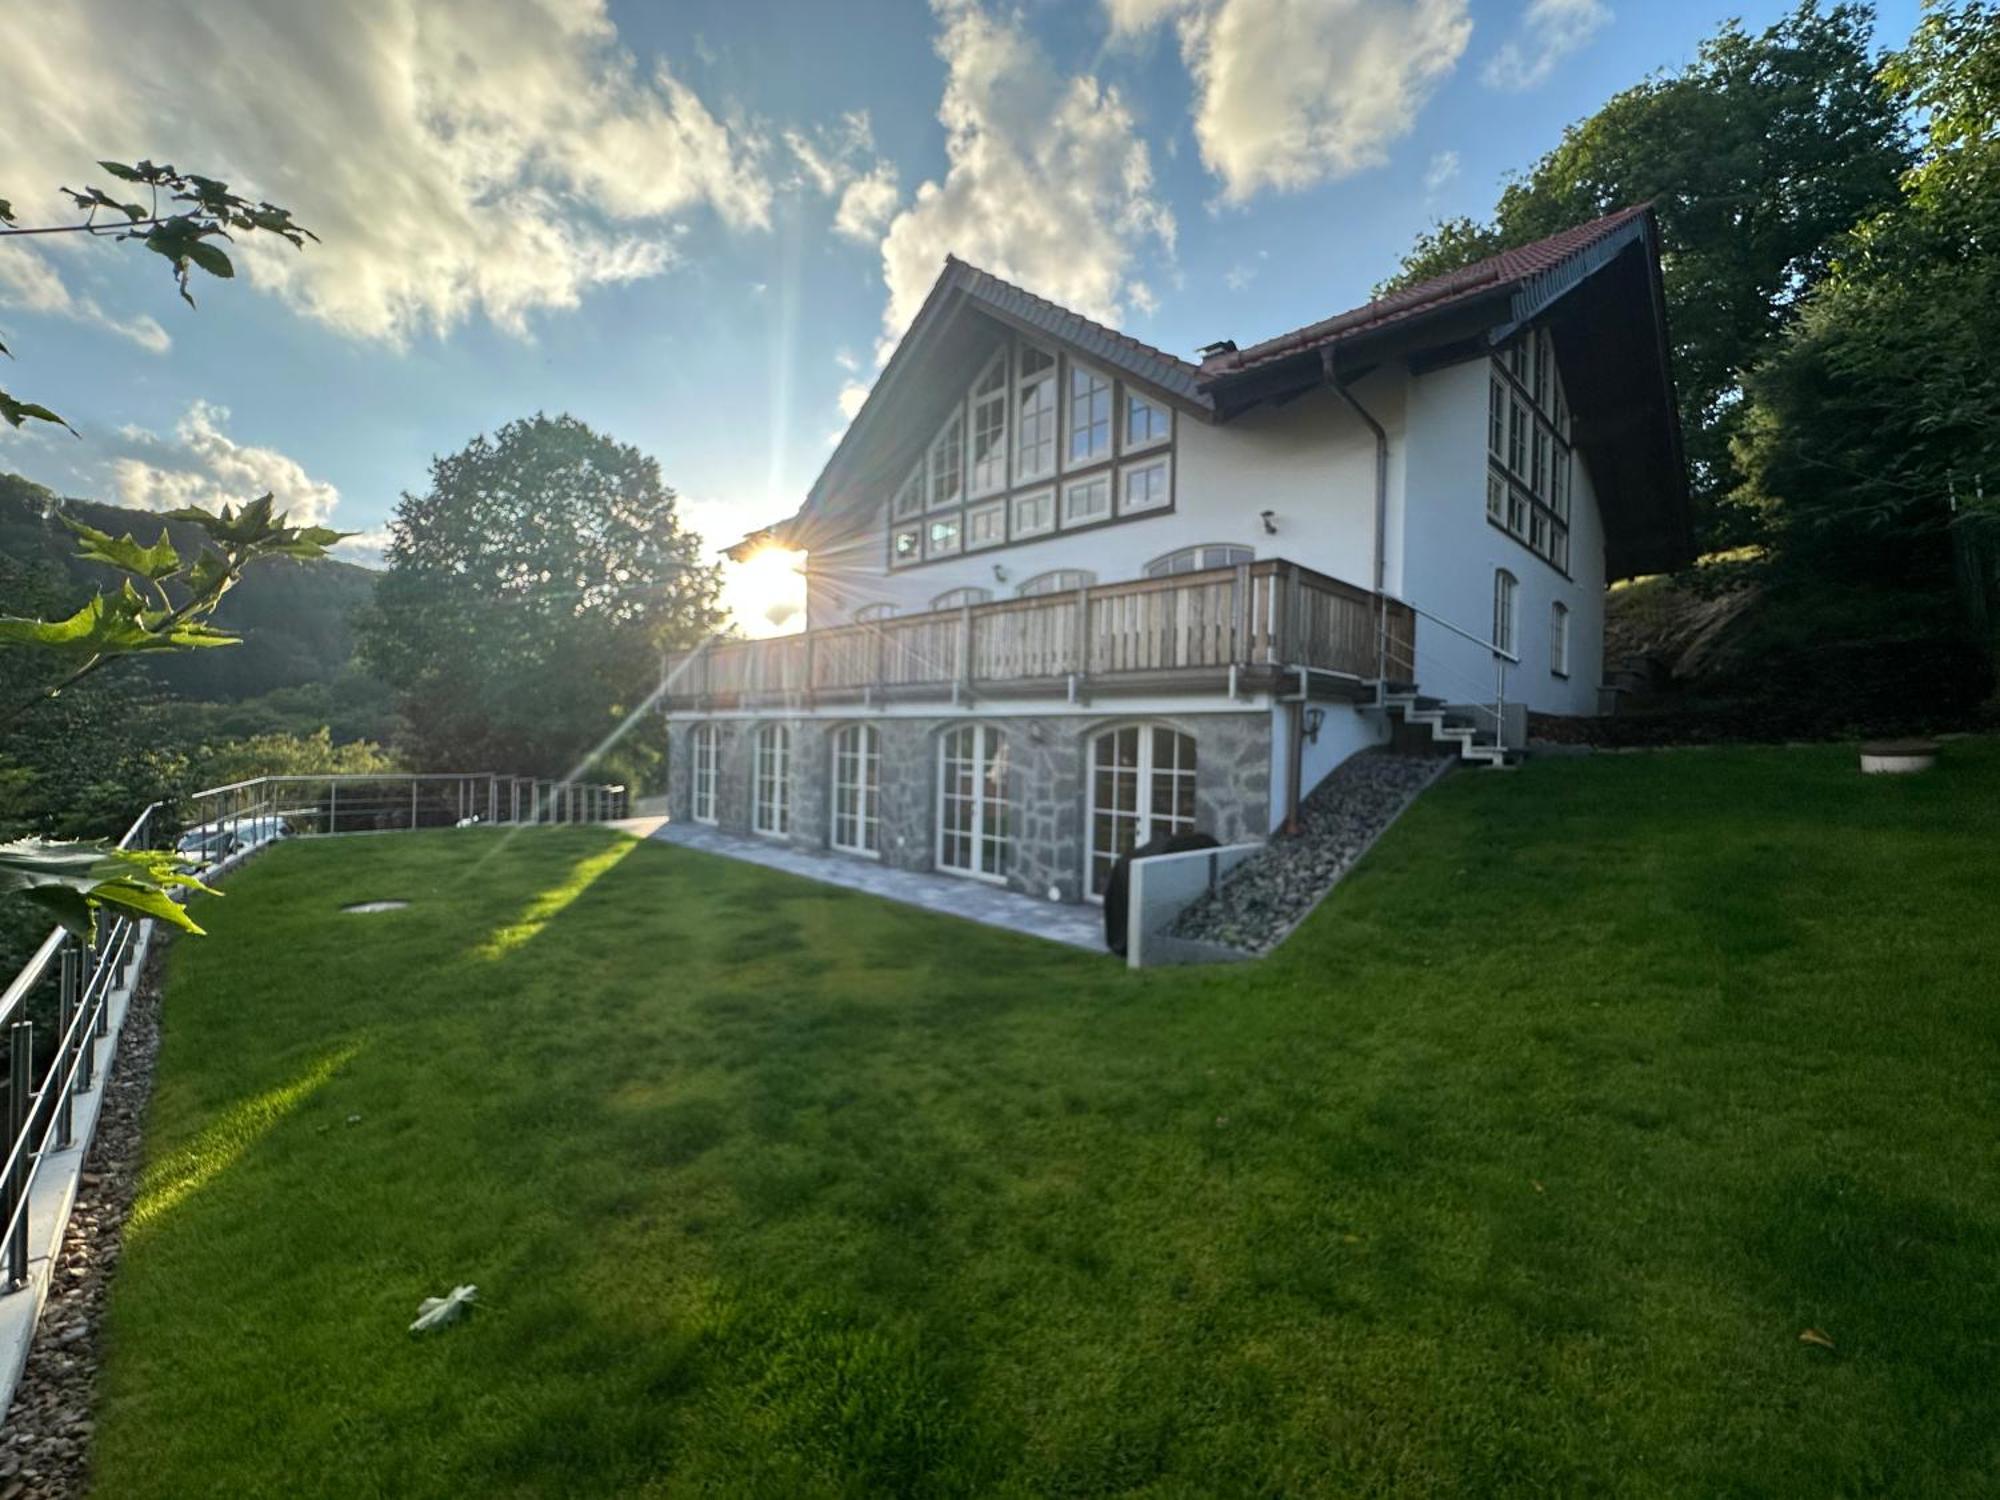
1519	1170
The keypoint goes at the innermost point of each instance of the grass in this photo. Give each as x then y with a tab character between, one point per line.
1520	1170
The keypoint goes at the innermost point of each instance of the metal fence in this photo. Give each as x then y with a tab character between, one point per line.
47	1066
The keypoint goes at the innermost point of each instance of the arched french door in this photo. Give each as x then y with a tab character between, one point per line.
857	790
975	824
1142	780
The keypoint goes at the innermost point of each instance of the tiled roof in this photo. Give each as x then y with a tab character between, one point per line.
1508	268
1175	376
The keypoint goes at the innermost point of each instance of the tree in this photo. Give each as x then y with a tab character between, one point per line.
165	602
529	596
1871	436
1757	158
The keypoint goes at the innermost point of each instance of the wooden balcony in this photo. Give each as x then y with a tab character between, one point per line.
1249	627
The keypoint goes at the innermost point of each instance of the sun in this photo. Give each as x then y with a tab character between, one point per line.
765	594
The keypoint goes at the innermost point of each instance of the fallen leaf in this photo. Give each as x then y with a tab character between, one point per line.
1536	1186
1814	1336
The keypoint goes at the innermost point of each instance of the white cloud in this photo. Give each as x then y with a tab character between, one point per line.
29	282
1294	92
458	157
1549	31
1047	181
853	393
840	163
1443	168
364	547
202	465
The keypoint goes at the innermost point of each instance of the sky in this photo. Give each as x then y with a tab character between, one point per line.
700	226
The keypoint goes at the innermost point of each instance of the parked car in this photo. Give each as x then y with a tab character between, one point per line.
210	843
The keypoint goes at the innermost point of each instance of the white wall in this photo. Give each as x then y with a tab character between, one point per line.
1445	553
1312	462
1343	731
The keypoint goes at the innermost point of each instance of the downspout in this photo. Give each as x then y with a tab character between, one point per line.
1381	512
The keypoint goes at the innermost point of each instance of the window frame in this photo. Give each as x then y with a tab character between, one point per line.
1506	610
773	742
989	747
1076	578
1019	388
1072	369
865	816
1066	521
1126	442
1163	565
964	597
704	772
873	614
976	405
1559	639
1536	467
1144	810
997	505
1164	462
1016	531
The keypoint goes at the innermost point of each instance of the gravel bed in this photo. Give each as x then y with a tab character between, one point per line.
45	1442
1264	898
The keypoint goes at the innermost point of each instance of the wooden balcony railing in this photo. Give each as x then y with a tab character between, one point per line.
1185	631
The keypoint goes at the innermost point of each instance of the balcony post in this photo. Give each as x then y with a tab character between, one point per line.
965	647
1082	653
1239	614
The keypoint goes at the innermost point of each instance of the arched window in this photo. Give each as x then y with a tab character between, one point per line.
1195	559
1504	587
1142	779
959	598
1057	581
975	825
771	781
872	612
706	757
857	790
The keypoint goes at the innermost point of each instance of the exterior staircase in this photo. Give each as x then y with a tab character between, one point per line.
1472	736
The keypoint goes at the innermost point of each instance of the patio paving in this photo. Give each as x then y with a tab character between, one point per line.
1059	922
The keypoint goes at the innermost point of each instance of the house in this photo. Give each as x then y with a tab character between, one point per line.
1066	592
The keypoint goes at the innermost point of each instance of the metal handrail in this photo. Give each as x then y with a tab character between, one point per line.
1502	659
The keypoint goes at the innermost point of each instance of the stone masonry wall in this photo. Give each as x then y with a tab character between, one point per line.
1049	757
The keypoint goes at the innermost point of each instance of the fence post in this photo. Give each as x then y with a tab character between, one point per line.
332	806
86	1071
65	1120
413	804
20	1052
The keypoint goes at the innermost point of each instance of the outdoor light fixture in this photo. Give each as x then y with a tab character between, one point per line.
1314	718
1270	520
999	574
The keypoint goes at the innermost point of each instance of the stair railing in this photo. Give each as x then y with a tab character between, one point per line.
1502	660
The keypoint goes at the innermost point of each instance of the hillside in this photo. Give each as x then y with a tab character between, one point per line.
295	618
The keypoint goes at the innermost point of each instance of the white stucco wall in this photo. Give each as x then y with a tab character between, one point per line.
1311	462
1446	554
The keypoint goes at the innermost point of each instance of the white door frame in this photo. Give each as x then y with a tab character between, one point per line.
1142	791
986	739
866	798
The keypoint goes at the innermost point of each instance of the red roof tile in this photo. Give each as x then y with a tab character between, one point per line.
1506	268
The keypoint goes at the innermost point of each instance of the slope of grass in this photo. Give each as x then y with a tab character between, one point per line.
1520	1170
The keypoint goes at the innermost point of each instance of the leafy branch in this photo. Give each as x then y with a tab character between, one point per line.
184	237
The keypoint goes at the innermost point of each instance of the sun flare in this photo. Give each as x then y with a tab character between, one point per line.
765	594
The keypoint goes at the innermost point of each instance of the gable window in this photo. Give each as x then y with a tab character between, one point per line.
975	826
910	498
1504	587
1086	500
1559	638
1196	559
989	428
985	525
857	789
868	614
1146	422
706	755
1035	415
1144	486
1056	581
946	463
1527	424
906	545
960	598
1034	514
1142	780
1089	416
946	538
771	781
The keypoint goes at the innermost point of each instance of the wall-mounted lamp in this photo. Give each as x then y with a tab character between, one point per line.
1314	718
999	573
1270	520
